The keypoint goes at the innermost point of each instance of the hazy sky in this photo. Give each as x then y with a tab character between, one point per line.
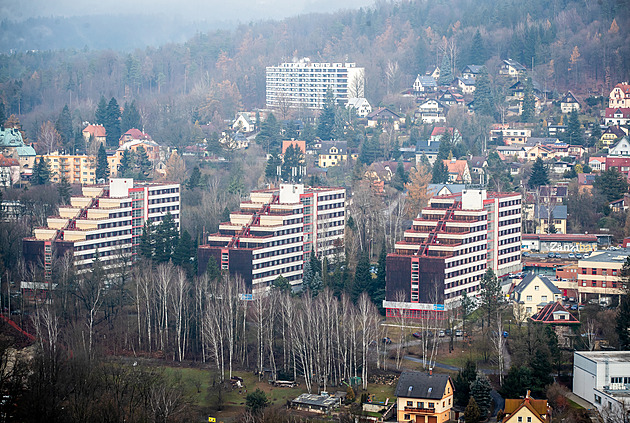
195	10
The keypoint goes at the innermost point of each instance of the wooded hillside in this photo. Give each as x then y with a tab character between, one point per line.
572	44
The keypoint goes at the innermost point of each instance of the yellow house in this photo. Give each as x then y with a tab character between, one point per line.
78	169
333	153
543	219
424	397
532	294
526	410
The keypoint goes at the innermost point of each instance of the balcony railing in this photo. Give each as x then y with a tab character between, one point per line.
421	410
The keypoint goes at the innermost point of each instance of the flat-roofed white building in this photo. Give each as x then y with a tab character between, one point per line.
603	379
303	84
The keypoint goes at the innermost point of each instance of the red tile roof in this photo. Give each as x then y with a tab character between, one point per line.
95	130
611	111
8	162
545	315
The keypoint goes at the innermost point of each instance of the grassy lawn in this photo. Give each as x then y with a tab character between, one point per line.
575	405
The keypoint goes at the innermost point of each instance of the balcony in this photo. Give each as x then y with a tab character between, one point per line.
420	410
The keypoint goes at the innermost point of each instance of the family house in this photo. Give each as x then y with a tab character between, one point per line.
619	96
245	121
332	153
424	84
94	132
569	103
384	115
512	68
428	149
465	85
617	116
611	134
471	71
432	111
424	397
532	294
458	171
622	148
361	106
526	409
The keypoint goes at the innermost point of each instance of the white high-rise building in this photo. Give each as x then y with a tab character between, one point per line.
303	84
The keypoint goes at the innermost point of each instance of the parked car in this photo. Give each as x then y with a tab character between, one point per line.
558	255
448	332
579	256
571	255
571	299
505	334
574	307
525	254
459	332
442	334
551	255
417	335
387	341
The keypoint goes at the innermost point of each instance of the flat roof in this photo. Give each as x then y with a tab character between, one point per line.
611	356
608	256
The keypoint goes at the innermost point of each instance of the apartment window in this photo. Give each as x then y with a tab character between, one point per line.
520	419
407	417
529	420
409	403
598	399
616	380
536	288
431	405
528	310
529	298
543	299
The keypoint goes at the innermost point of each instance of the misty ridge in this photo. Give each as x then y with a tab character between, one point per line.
121	32
186	75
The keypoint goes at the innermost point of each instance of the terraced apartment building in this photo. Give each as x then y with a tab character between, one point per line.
105	221
275	231
448	249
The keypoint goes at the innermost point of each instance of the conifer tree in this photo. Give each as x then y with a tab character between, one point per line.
79	141
477	55
529	102
102	167
462	382
130	118
377	293
146	241
446	74
37	165
143	163
126	164
100	116
539	176
480	390
575	134
439	174
362	277
269	135
292	166
484	103
472	414
541	371
271	169
3	115
195	178
64	189
43	174
326	121
112	124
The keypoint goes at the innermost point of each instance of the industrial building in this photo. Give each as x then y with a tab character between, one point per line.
303	84
106	221
275	231
448	249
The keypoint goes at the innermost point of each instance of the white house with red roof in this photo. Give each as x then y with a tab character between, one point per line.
619	97
617	116
133	134
9	171
438	132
